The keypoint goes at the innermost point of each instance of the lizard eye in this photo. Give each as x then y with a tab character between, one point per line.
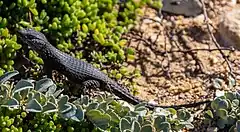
31	37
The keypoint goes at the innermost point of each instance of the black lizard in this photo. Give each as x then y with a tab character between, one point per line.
79	71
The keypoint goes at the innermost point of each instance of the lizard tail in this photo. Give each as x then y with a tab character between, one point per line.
127	96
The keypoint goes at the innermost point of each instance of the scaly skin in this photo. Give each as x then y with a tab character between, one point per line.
79	71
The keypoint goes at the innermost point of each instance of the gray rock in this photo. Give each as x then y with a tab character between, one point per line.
229	29
182	7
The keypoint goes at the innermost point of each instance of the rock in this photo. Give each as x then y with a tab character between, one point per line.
229	29
182	7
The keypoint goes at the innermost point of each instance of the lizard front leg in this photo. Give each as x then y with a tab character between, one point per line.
47	71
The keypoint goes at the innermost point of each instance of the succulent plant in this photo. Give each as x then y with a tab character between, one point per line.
37	96
103	111
225	108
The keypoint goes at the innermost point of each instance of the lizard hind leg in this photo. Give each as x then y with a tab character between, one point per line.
88	85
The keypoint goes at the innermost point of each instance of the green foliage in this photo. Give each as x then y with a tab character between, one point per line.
224	112
32	105
89	25
90	30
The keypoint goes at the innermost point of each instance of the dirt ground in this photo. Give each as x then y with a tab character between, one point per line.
174	57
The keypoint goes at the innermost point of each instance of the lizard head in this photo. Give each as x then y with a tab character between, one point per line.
34	39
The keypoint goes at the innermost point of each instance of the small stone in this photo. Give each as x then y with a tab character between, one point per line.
229	29
183	7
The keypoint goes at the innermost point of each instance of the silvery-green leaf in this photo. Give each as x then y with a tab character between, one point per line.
147	122
183	115
163	126
4	90
140	119
58	92
33	106
124	124
11	103
209	113
64	108
52	99
135	127
51	89
103	106
30	96
79	115
99	119
69	113
114	117
221	123
24	93
83	100
7	76
100	97
147	128
92	106
222	113
17	96
37	96
63	100
172	111
238	125
22	85
139	107
160	119
43	84
49	107
217	83
187	125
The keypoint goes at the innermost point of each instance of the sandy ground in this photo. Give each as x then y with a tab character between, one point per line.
183	74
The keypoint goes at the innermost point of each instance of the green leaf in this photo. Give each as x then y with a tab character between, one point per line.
124	124
51	90
63	100
7	76
183	115
22	85
65	108
11	103
163	126
43	84
79	115
49	107
147	128
52	99
209	113
33	106
217	83
187	125
222	113
235	102
223	104
221	123
92	106
114	117
69	113
230	95
135	127
99	119
58	92
85	100
103	106
238	125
